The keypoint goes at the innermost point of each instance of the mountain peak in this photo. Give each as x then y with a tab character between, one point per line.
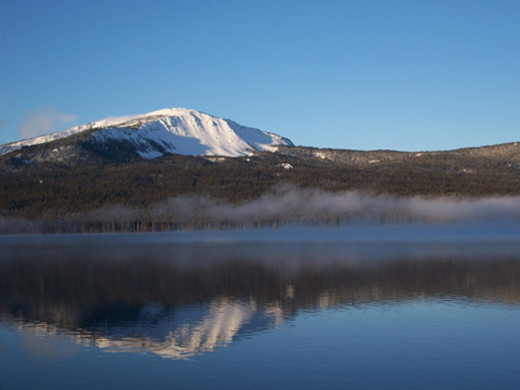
171	130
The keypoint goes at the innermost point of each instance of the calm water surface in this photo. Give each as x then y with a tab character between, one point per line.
363	308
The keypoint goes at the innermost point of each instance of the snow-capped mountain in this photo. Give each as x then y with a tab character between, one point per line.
176	130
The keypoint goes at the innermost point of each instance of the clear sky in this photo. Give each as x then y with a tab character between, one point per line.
368	74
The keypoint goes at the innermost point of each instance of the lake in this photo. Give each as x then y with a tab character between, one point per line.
364	307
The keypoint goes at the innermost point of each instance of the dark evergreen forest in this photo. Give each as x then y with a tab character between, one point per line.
39	188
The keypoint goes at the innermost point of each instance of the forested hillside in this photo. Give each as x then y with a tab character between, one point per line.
56	188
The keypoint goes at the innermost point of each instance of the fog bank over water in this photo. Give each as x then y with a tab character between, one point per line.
285	205
292	204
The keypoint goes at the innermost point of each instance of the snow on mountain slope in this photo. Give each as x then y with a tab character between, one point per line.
176	130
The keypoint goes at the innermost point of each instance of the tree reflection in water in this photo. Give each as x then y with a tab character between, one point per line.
180	300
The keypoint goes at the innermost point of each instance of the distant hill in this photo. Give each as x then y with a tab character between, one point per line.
176	130
140	161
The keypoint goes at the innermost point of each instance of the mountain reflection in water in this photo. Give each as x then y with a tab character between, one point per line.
178	300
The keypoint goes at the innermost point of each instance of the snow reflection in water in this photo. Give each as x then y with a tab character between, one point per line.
182	299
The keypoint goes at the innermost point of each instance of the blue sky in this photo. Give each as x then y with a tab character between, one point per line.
405	75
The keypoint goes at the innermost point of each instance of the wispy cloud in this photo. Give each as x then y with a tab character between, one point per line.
37	123
3	123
